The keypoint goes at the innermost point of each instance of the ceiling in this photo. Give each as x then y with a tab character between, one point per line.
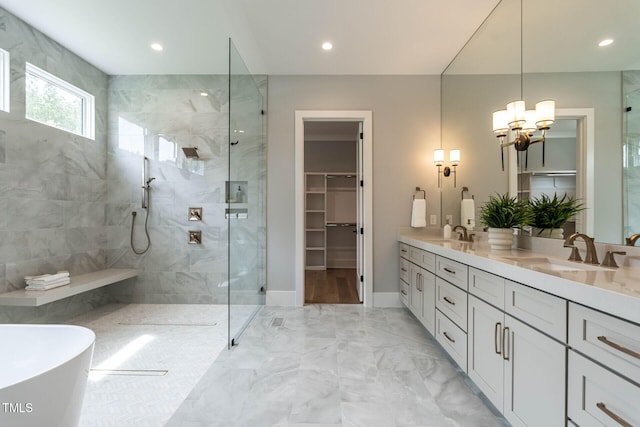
274	37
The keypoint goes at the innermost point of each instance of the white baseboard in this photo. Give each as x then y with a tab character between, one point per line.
387	299
281	298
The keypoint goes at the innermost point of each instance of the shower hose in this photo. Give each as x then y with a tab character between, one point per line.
146	226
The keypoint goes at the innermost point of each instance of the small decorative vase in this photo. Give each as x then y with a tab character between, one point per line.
500	238
551	233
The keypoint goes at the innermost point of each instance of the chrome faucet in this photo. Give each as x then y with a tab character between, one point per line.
631	241
591	257
463	236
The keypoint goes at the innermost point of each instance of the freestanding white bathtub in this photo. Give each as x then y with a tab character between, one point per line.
43	374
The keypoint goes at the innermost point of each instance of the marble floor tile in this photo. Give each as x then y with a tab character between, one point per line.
335	365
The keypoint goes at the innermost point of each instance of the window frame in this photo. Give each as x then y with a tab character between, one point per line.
88	100
5	81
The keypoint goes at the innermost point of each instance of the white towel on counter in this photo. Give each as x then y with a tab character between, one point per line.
419	213
468	213
47	278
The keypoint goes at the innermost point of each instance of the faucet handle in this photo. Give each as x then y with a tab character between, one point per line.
610	260
575	253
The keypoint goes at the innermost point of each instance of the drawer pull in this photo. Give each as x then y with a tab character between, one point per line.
505	335
449	270
612	415
446	335
449	301
403	251
618	347
403	269
404	292
496	333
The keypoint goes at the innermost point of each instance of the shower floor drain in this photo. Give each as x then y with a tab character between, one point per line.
277	321
130	372
164	324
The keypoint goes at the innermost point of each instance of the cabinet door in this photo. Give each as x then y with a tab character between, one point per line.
534	380
485	364
415	291
429	301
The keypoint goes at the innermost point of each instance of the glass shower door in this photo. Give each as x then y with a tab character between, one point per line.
245	194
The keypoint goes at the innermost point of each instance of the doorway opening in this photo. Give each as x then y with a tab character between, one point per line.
331	169
333	207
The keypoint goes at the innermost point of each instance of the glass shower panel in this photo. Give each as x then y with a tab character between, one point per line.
631	164
245	195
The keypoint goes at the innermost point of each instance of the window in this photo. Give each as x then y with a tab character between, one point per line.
54	102
4	80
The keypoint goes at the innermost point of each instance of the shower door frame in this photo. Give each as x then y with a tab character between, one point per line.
366	118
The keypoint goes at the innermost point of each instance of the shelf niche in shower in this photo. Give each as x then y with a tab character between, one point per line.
234	190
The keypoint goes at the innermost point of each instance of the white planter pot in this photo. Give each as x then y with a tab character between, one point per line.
500	238
552	233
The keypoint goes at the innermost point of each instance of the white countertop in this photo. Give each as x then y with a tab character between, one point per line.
612	290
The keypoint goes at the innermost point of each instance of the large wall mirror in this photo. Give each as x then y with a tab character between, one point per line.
553	54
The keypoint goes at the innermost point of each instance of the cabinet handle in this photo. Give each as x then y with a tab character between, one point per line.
618	347
617	418
505	335
403	251
449	271
403	292
403	269
496	333
446	335
421	282
449	301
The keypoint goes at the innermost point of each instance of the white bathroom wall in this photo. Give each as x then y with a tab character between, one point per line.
406	130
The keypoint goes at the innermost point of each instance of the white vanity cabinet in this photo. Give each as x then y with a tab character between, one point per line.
519	369
418	282
603	391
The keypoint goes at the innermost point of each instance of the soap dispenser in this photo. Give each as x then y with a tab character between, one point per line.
447	231
239	195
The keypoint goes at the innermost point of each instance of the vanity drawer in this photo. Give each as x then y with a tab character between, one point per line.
404	270
424	259
404	251
404	293
545	312
452	301
598	397
452	271
611	341
487	287
452	338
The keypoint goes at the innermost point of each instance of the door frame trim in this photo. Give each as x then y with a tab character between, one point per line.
366	117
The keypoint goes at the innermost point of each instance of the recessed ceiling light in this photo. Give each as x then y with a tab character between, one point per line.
605	42
327	46
157	47
204	94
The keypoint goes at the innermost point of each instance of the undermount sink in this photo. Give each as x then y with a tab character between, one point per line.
552	264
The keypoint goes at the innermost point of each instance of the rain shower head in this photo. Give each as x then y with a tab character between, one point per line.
191	152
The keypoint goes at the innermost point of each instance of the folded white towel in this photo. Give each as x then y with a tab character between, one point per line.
48	282
47	278
46	287
419	213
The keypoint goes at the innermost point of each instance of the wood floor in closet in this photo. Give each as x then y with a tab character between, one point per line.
331	286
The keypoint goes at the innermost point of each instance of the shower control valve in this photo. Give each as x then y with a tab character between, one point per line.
195	237
195	214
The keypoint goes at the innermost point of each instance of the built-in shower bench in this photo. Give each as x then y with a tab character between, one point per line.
79	284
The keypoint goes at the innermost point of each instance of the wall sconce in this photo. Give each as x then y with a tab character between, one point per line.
454	159
524	123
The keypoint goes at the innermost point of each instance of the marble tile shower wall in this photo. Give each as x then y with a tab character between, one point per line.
155	116
53	188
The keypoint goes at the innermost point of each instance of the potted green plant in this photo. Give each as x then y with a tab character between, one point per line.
502	214
550	214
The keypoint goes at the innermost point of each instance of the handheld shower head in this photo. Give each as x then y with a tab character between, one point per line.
191	152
